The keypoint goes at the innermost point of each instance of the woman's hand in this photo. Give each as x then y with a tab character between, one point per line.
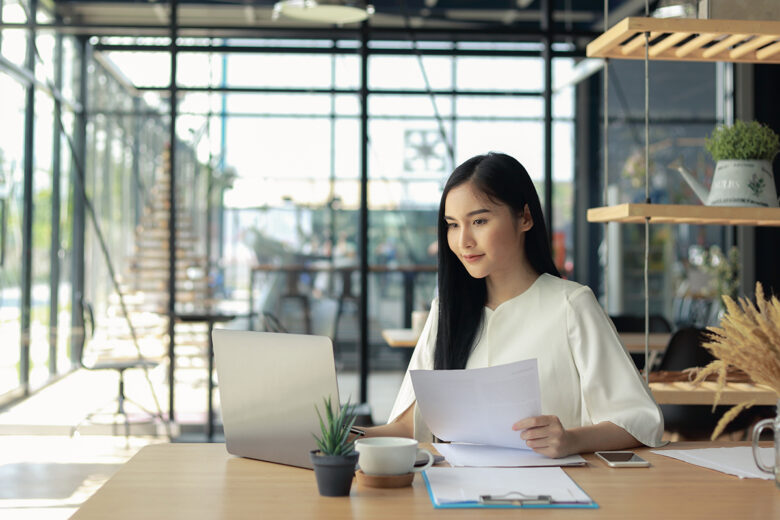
546	435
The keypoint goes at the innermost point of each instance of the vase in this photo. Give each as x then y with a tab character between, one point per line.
334	473
773	423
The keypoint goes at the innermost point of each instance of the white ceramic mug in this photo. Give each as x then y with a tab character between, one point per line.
389	455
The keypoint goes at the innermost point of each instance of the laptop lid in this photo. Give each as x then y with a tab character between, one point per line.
269	384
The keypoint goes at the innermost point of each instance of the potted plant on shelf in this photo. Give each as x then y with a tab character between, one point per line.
335	459
743	173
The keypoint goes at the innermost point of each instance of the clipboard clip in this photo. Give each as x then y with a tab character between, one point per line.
515	498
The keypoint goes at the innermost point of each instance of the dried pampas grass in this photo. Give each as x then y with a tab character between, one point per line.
748	338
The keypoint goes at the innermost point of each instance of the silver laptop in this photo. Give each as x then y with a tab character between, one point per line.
269	385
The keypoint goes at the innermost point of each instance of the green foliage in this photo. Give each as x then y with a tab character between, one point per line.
335	429
747	141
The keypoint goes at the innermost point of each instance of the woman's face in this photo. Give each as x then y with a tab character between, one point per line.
486	237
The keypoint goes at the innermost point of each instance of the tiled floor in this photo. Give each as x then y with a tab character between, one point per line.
45	473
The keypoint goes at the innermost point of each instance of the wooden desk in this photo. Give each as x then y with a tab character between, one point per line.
634	341
403	338
704	393
193	481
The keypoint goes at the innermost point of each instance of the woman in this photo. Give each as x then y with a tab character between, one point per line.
502	300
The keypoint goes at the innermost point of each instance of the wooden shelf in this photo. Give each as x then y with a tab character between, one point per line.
686	39
678	214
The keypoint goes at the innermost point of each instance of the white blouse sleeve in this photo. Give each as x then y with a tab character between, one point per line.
612	389
422	359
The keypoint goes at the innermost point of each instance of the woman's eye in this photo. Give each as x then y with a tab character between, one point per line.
480	221
451	225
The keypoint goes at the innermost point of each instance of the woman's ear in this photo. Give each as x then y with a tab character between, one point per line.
526	221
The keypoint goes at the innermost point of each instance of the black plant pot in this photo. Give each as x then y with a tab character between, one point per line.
334	473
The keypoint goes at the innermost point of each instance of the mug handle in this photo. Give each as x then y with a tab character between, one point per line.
427	464
759	427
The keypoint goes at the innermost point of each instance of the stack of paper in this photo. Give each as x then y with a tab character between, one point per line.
481	455
475	409
734	461
479	405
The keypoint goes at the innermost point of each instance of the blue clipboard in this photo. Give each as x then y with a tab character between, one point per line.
533	503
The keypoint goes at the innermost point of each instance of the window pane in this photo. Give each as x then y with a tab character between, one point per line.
497	73
409	105
143	69
405	72
199	69
522	140
11	205
500	106
279	70
14	45
41	246
44	67
65	250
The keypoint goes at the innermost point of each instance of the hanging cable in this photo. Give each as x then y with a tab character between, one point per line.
605	147
647	197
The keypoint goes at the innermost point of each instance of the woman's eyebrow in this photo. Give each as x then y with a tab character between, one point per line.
470	213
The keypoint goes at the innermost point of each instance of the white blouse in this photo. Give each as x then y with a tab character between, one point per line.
585	373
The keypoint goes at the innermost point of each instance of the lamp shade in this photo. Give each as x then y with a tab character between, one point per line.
323	11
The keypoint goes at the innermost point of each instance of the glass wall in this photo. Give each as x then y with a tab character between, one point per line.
291	221
684	108
11	207
46	344
274	138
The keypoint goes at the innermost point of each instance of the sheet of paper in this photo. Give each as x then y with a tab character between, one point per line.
454	485
480	455
734	461
479	405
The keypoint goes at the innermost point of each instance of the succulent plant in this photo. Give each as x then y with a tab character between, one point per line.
335	428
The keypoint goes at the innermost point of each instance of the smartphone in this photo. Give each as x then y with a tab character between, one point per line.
423	459
622	459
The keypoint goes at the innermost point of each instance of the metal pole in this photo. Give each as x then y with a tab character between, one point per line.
136	162
54	257
363	346
547	21
172	219
79	217
27	211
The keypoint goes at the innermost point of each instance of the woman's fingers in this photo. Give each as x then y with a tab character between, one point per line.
533	422
544	434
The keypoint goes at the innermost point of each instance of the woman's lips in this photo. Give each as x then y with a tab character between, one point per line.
472	258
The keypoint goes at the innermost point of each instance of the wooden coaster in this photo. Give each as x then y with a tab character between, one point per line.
384	481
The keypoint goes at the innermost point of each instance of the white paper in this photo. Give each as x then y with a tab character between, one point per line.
734	461
479	405
454	485
480	455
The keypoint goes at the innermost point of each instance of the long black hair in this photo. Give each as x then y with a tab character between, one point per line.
462	297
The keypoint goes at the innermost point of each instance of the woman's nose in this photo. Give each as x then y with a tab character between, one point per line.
466	239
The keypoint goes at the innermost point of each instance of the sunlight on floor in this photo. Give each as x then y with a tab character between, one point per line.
48	477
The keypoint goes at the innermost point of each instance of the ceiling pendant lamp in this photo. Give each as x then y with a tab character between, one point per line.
323	11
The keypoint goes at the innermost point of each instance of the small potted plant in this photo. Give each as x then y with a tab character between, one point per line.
335	459
751	141
743	174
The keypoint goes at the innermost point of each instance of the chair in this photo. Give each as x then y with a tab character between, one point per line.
694	422
119	365
634	323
